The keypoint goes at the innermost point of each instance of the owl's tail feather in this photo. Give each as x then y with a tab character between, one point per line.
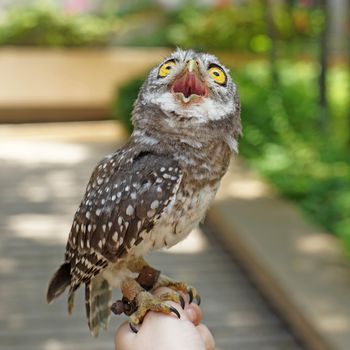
70	302
59	282
98	295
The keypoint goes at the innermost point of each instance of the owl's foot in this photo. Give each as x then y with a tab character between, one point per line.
137	302
145	302
164	281
151	279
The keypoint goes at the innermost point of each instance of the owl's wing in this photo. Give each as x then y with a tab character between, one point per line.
119	208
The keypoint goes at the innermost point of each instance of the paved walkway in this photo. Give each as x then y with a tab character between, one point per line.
42	177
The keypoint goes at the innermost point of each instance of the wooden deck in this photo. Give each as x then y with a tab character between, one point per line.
41	183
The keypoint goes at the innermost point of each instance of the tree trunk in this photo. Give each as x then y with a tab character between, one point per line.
348	49
323	60
272	33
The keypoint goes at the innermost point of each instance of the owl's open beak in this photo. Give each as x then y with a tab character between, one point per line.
189	84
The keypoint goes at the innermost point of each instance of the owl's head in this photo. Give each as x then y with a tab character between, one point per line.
188	89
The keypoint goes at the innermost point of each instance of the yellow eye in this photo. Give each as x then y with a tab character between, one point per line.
217	74
166	68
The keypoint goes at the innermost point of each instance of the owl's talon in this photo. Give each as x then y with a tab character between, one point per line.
182	302
193	295
172	309
133	328
190	295
145	301
173	296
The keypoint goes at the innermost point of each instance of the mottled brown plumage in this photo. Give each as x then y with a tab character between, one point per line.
153	191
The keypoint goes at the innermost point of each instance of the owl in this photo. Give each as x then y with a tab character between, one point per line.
152	192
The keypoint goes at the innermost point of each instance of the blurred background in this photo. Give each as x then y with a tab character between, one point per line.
70	71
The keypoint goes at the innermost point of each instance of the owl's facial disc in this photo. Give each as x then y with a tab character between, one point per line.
189	86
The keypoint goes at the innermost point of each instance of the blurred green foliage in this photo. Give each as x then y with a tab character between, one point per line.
283	142
122	105
239	27
46	25
244	27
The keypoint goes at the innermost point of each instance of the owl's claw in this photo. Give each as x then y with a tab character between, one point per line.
182	302
173	296
193	295
133	328
164	281
137	301
172	309
145	302
190	295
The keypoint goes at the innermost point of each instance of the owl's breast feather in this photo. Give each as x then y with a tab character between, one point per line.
183	215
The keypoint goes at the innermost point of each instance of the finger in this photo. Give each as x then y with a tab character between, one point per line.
206	336
124	337
193	313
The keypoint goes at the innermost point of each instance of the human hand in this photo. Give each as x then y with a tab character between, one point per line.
167	332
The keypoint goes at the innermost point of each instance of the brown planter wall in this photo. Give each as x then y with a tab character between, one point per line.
66	84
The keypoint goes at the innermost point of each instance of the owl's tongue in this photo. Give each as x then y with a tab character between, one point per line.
189	84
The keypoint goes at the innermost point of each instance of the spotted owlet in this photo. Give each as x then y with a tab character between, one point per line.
153	191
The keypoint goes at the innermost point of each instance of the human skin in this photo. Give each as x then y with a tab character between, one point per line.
168	332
